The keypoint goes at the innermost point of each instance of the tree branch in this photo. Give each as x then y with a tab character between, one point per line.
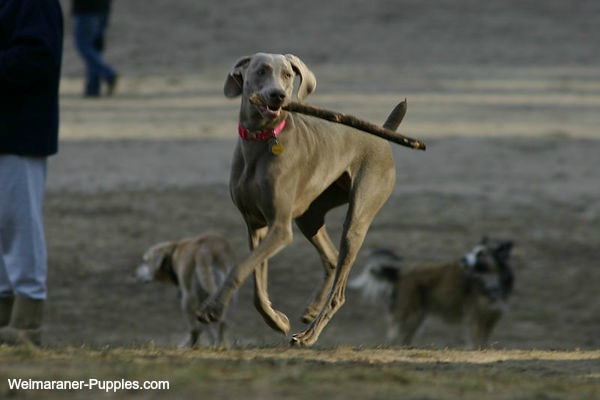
383	132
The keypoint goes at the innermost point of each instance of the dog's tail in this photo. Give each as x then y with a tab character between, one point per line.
379	275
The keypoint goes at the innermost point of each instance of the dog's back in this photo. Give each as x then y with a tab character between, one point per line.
438	288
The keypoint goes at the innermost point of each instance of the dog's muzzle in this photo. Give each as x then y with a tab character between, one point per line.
269	106
143	274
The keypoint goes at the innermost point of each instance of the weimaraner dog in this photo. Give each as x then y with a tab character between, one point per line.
323	165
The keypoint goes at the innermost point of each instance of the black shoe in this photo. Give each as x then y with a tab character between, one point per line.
112	85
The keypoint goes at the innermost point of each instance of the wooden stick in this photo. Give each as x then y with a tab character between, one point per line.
350	120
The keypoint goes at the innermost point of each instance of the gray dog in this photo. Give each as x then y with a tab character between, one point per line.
289	166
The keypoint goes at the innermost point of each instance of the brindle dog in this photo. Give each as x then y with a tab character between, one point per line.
473	290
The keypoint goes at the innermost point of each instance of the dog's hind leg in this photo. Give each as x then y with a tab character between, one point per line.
372	188
329	257
188	305
204	259
275	319
409	325
312	226
351	242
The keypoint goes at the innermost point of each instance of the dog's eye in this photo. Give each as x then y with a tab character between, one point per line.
286	75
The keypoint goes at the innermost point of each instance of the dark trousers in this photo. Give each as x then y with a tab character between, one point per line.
89	40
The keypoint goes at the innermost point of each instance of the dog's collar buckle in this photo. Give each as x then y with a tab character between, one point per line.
261	136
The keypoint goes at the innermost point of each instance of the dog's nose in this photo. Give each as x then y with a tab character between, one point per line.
277	96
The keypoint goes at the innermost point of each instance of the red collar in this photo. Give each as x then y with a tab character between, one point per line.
261	136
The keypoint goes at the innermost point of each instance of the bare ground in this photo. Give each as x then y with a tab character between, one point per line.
537	192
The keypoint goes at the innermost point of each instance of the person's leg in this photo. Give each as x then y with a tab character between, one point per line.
6	292
6	289
109	75
22	182
99	38
89	41
22	231
84	29
6	305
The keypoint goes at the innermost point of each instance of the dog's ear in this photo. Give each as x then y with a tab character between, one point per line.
308	82
160	261
234	83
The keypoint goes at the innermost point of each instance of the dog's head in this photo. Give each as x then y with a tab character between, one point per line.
270	78
488	265
157	264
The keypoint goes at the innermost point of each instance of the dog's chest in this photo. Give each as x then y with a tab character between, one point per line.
250	182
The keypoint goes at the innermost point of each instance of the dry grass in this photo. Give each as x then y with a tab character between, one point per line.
334	373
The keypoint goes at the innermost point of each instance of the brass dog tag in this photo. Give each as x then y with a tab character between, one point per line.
276	147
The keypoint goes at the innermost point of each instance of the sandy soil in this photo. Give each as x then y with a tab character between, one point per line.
505	94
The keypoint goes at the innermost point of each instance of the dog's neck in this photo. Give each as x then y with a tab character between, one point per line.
263	135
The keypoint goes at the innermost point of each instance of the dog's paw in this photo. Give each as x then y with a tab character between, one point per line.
277	321
309	316
209	313
303	339
283	322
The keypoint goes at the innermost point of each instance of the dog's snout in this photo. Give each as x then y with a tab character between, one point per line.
143	273
277	96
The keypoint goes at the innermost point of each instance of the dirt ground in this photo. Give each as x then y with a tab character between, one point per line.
505	94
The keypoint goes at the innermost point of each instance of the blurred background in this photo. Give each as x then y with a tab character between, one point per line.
469	68
506	94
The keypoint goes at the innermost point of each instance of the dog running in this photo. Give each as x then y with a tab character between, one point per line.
291	167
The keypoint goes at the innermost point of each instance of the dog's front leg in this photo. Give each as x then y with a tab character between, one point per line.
481	322
275	319
278	236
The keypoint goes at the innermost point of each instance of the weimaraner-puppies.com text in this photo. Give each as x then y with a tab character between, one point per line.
288	166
